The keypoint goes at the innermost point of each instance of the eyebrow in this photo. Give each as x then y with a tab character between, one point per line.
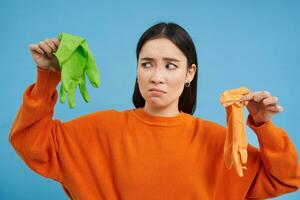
164	58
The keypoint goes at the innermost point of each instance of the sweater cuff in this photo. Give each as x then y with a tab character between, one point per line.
46	83
269	135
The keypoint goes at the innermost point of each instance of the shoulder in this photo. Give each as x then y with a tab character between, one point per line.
99	117
107	112
205	124
209	126
106	115
211	129
213	126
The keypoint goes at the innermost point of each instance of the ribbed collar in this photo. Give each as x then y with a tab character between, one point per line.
159	120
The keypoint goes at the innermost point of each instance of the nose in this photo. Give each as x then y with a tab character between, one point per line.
157	76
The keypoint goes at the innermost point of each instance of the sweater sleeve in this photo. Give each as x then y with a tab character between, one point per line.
279	169
34	133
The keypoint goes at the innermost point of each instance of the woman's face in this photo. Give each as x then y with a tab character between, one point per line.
162	66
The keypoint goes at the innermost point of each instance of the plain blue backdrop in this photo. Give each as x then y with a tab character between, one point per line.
252	43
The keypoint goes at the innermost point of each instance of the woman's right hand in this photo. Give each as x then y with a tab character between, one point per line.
42	54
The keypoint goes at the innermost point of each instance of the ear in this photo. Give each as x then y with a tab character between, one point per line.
190	73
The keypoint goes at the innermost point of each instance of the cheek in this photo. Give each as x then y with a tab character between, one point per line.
176	83
142	80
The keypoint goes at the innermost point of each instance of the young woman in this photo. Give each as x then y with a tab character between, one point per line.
157	150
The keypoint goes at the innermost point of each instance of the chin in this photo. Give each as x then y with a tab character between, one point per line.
156	103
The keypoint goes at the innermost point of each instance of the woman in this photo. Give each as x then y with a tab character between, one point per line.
157	150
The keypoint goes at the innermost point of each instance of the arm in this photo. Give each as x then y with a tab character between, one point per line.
34	133
279	169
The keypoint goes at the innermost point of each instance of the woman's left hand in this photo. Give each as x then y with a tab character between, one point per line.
261	106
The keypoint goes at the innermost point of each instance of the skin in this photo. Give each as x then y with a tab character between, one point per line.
166	75
163	74
42	54
262	106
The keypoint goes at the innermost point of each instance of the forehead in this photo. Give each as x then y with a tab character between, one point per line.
159	48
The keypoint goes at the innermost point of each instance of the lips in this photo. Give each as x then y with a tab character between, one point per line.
157	90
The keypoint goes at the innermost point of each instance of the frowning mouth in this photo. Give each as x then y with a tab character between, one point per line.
156	90
156	93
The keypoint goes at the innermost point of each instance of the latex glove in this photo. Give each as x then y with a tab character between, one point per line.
75	59
235	148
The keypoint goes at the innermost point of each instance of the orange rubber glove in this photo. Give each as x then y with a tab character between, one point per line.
235	148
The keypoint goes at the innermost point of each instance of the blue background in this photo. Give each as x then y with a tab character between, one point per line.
252	43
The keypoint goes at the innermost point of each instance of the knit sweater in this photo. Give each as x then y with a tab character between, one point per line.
132	155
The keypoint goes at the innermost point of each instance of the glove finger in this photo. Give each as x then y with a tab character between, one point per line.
93	75
71	94
243	155
65	79
228	149
237	163
242	138
84	92
91	68
228	156
243	147
228	146
62	94
242	151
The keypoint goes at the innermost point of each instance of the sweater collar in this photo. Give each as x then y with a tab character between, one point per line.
159	120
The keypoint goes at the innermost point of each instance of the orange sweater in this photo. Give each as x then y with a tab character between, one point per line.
131	155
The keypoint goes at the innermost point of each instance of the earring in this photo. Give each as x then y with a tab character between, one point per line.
188	84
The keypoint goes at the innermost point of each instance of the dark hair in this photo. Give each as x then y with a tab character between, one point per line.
180	37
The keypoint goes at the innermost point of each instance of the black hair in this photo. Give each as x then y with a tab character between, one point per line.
180	37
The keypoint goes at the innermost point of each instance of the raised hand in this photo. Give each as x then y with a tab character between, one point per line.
262	106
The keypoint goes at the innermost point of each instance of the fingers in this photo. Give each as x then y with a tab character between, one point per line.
237	163
92	71
51	44
243	145
84	92
46	47
256	96
270	101
272	105
228	153
55	41
275	108
260	95
36	48
263	96
71	95
62	94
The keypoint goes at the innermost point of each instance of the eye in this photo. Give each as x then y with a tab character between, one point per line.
144	64
170	64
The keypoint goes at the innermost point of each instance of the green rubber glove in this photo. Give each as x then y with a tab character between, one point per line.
75	59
